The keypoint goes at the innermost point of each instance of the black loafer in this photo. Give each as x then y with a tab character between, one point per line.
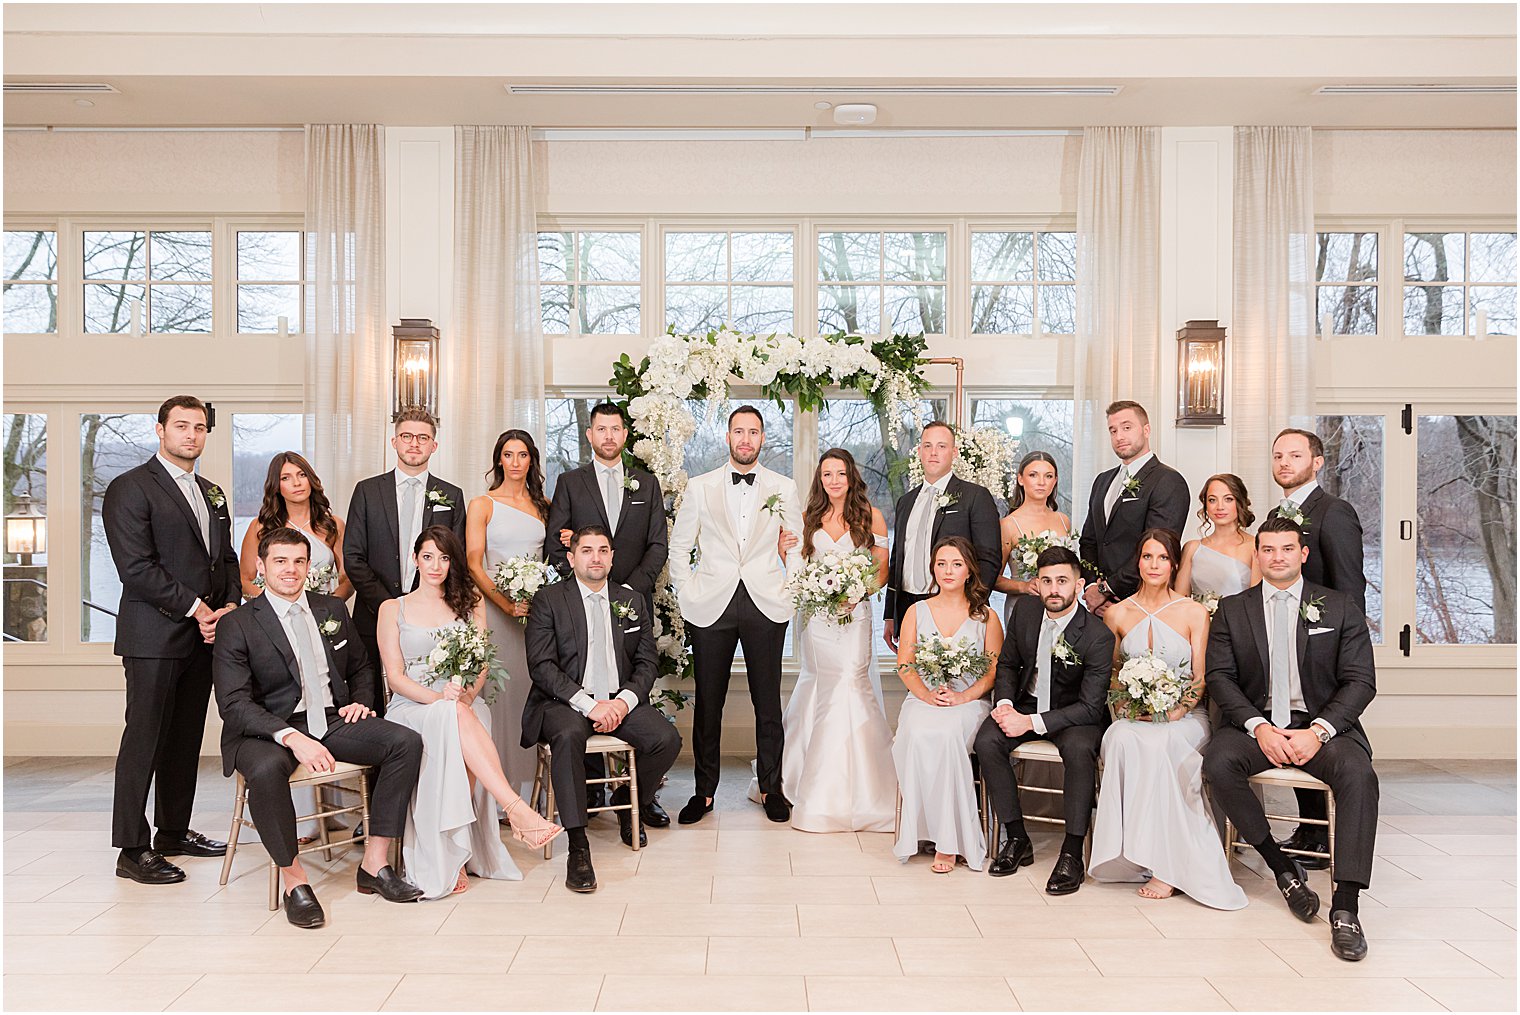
579	874
1346	938
387	884
1309	842
302	908
653	815
625	821
1016	852
1066	877
149	868
777	807
187	844
1302	900
695	810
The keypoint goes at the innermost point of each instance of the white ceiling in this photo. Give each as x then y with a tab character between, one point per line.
1178	64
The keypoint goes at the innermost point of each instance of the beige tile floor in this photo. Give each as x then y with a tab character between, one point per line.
741	914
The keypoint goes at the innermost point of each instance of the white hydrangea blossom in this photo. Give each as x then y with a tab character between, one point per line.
1148	686
520	578
829	582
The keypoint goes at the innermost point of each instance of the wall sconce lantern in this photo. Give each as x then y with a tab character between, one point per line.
25	530
416	369
1200	374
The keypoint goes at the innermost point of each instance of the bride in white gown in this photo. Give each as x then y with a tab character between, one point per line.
1153	825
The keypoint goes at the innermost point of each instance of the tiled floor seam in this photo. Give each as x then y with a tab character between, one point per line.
188	988
1427	993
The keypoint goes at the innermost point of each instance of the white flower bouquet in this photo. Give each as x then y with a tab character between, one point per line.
1026	552
939	662
1148	686
462	652
322	579
520	578
1210	601
832	583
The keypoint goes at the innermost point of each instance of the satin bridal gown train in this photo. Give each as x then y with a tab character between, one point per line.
1152	819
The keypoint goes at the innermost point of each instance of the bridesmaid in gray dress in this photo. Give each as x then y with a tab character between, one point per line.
508	521
1223	562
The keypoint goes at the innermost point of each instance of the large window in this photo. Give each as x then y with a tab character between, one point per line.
31	281
1345	273
1038	424
740	279
1353	471
1023	283
1465	573
879	283
590	282
854	425
256	438
271	267
565	447
1452	277
109	444
168	273
26	558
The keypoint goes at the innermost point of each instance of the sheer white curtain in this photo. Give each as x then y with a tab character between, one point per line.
494	375
1118	244
347	397
1271	334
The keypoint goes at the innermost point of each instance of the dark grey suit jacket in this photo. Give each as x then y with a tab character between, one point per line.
972	515
639	544
1334	539
1161	502
1078	692
371	540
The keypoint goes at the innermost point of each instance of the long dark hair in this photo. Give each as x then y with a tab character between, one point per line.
272	511
857	504
1170	542
1244	516
535	482
1018	492
977	591
458	590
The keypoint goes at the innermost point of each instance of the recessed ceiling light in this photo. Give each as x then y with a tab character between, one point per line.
83	103
823	105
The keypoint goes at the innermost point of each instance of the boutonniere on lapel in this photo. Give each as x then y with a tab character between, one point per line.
1063	653
625	612
945	500
630	484
216	497
773	505
329	627
1131	486
438	498
1295	514
1312	609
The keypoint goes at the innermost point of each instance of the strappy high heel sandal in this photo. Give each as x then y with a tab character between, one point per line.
534	839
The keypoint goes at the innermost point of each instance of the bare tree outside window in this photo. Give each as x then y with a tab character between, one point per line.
26	577
109	444
31	282
743	280
589	283
879	283
1353	472
169	271
1023	283
1346	272
1450	277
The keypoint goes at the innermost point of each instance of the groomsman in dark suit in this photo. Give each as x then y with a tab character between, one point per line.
385	516
943	505
1137	494
1052	684
1290	667
292	679
171	539
1332	533
592	660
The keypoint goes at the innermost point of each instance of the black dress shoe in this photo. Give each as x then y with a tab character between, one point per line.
1302	900
1066	877
695	810
149	868
1016	852
579	874
1346	938
1307	841
653	815
777	807
389	885
187	844
302	908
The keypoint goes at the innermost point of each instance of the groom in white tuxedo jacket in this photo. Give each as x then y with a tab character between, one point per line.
734	594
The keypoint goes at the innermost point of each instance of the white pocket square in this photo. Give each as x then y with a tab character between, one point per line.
951	511
340	644
631	630
1320	630
442	507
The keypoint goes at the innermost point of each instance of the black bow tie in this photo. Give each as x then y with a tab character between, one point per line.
743	477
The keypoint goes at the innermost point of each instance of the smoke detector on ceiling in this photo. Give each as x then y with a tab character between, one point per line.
855	114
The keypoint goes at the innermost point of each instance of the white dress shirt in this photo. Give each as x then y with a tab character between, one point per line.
584	701
1302	493
741	501
175	473
288	622
1062	622
1295	685
918	570
412	528
602	472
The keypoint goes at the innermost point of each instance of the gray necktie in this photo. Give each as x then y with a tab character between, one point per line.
1287	507
311	673
1115	489
409	532
602	682
198	506
918	566
1042	666
612	495
1282	646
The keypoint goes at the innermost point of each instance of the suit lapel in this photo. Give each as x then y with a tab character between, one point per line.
619	626
577	605
170	487
717	507
213	529
593	487
270	622
953	492
321	614
627	501
761	494
390	511
1095	502
1256	617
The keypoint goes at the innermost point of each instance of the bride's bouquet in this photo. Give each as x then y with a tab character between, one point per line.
832	583
1026	552
520	578
939	662
1148	686
463	650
